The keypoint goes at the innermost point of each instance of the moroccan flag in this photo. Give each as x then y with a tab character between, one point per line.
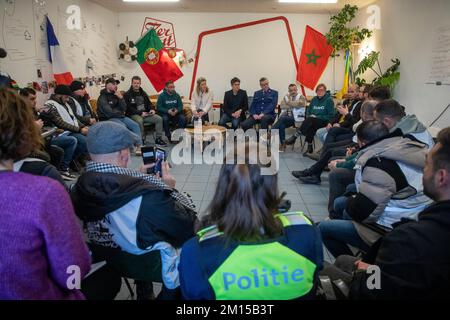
61	73
155	61
313	59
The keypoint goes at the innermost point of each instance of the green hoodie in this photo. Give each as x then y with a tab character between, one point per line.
168	101
322	108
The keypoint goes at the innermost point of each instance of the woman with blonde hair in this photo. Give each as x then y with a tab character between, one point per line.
202	101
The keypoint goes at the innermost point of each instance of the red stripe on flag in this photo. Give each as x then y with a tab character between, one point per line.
64	78
165	70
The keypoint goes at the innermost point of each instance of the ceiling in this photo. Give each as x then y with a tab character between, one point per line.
253	6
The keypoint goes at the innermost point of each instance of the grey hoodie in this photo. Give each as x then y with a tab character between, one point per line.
411	125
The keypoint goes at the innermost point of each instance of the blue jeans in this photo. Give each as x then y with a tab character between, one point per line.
179	119
235	122
81	145
69	145
283	123
338	234
340	204
322	134
131	125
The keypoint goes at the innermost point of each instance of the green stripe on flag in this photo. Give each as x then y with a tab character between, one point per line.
149	41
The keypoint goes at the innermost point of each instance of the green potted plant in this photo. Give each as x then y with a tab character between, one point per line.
388	78
341	36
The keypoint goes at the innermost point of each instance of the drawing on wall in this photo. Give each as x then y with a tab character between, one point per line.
440	57
18	29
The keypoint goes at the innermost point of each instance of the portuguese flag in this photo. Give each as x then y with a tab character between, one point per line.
314	58
155	61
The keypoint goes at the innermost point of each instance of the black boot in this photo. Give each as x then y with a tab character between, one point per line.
313	179
310	149
144	290
303	173
291	140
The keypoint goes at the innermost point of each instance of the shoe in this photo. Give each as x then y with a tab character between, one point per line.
304	173
66	175
160	142
282	147
310	179
291	140
144	290
138	151
308	150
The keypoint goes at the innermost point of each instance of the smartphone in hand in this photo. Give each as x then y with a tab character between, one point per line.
152	154
160	155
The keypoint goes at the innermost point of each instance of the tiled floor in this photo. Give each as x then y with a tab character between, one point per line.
199	181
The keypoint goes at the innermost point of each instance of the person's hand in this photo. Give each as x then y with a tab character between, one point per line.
329	126
174	112
118	94
336	125
152	113
343	110
332	164
361	265
350	151
144	168
195	114
84	131
39	123
92	121
256	117
145	114
167	178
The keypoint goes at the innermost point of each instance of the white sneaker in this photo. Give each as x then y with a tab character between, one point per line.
66	175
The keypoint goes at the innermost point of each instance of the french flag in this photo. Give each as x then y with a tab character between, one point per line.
60	71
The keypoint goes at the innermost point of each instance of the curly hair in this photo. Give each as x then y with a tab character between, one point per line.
19	136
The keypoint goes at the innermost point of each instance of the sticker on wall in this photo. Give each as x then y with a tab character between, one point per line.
165	31
44	86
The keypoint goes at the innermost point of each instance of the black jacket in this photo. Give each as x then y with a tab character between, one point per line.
354	106
109	106
131	100
414	259
347	123
232	103
86	108
160	217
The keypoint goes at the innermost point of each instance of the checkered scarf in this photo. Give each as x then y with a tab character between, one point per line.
182	198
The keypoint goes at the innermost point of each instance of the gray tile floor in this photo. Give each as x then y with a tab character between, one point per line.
200	182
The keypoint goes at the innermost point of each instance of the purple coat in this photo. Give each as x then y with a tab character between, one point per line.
40	238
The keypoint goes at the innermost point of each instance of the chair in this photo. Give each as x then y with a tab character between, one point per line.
93	103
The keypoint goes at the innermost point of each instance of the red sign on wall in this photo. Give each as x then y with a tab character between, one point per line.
164	30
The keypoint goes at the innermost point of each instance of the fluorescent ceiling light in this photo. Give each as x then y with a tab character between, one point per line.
150	0
308	1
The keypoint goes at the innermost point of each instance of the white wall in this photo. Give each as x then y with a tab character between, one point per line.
96	40
248	53
408	32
